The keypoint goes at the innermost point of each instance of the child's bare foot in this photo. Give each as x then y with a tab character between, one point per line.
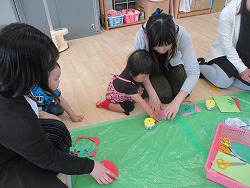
98	104
103	104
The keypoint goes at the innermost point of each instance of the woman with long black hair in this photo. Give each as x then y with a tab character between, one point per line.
33	151
176	70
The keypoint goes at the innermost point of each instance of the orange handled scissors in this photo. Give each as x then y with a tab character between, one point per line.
226	147
225	141
222	164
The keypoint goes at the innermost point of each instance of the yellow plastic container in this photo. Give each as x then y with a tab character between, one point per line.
149	123
210	104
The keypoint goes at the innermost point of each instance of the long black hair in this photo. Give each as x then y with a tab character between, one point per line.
139	62
26	55
161	31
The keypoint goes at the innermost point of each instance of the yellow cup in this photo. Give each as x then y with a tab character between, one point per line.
149	123
210	104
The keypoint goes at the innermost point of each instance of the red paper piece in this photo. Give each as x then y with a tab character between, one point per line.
74	152
94	153
237	102
111	166
94	139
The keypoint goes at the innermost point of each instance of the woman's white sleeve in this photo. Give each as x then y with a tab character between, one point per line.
189	59
225	32
140	40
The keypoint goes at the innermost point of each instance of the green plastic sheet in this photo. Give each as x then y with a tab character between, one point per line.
173	154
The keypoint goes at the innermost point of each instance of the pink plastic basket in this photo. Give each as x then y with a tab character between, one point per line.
235	135
130	15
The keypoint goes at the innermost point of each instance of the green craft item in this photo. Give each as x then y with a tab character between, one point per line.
237	173
226	104
187	109
86	151
241	150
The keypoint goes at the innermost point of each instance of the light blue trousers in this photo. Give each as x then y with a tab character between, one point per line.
219	78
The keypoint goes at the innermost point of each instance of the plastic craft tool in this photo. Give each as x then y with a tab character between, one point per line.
222	164
226	142
223	148
210	104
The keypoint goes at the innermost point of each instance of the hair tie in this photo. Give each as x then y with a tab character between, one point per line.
157	12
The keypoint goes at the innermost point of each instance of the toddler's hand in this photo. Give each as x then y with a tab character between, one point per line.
156	116
155	103
77	118
102	174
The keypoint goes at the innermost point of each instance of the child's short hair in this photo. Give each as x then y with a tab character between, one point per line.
139	62
52	68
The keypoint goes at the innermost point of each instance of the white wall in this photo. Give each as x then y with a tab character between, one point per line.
109	4
7	15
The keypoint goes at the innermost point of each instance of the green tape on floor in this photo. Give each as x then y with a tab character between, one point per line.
192	137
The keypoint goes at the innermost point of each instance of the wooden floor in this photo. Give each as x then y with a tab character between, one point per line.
88	63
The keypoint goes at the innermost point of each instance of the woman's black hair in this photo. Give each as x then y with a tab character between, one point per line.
26	56
161	30
139	62
243	6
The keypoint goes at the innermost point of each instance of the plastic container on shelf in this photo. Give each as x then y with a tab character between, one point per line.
130	15
116	20
142	13
234	134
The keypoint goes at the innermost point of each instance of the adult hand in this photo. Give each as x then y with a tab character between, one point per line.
173	107
245	75
155	103
171	110
101	174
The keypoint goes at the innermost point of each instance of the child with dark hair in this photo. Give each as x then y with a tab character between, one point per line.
125	89
50	102
176	70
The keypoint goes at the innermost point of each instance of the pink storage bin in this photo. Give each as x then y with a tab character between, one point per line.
130	15
235	135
